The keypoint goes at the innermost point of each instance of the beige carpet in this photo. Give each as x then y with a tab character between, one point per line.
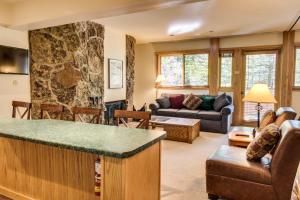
183	166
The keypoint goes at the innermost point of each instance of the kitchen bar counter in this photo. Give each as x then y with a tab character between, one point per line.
51	159
104	140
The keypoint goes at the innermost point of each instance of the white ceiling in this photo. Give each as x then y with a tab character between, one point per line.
223	17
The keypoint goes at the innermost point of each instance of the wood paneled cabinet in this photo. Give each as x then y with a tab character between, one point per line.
36	171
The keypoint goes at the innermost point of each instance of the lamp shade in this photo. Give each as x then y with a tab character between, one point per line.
159	78
260	93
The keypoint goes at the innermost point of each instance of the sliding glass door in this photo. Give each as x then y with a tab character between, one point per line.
259	67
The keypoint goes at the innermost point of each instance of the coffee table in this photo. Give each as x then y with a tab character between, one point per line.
178	129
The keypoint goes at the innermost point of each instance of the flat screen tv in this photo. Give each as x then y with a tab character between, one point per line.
13	60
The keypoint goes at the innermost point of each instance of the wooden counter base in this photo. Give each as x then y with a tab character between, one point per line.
36	171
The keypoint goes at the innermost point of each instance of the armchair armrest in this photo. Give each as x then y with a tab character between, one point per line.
154	106
227	110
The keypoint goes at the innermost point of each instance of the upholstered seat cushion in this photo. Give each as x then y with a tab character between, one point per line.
209	115
231	162
167	112
185	113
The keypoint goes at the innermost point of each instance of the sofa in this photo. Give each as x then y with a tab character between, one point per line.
230	175
211	120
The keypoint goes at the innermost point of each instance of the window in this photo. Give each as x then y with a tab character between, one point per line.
184	69
171	69
260	68
297	69
226	70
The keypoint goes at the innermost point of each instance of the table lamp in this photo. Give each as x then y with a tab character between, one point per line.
158	80
259	94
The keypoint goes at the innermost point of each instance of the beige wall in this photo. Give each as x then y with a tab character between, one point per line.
5	13
146	64
13	87
114	47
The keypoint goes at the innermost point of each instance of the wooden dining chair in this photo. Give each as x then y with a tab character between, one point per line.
16	109
47	110
142	117
95	114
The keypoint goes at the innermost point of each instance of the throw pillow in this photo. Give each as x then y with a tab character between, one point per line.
164	102
268	118
283	117
176	101
192	102
208	102
220	102
263	143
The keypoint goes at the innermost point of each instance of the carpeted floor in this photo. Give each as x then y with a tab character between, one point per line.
183	167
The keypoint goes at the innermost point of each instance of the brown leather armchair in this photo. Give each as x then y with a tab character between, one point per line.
230	175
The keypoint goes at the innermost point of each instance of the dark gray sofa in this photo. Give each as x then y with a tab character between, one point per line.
211	120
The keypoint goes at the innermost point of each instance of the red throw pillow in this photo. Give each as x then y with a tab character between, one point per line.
176	101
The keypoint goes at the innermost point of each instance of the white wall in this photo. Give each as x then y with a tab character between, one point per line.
13	87
114	47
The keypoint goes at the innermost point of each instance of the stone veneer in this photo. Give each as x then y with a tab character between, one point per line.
130	62
66	64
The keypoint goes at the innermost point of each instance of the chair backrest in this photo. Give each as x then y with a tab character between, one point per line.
51	109
124	115
95	114
286	159
16	109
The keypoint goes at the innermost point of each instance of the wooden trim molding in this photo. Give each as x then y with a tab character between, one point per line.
213	66
182	53
287	68
183	87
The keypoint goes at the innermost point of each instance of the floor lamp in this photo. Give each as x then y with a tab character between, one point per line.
158	80
259	94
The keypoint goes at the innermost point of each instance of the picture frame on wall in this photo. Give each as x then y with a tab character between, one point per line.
115	73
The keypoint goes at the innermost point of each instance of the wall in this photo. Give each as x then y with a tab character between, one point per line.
5	13
13	87
67	65
114	47
146	61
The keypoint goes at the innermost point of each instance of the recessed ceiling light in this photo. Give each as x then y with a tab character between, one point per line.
177	29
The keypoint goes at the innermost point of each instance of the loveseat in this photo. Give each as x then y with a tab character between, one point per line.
211	120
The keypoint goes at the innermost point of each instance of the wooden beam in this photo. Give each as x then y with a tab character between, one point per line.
237	85
287	68
214	66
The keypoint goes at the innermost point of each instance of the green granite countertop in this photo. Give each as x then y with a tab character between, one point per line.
104	140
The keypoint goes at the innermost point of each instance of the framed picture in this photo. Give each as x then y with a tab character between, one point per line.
115	73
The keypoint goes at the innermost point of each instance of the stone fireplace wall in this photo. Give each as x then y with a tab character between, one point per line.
130	62
66	64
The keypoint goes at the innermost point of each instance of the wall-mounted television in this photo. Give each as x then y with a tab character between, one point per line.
13	60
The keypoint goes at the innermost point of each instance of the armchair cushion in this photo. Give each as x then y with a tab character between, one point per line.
231	162
263	143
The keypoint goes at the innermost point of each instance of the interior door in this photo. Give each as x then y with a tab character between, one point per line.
259	67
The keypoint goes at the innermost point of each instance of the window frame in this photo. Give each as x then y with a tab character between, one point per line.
297	46
226	89
181	53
